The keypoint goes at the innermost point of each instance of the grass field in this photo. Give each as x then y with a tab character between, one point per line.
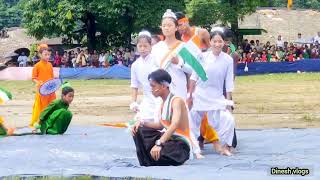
262	101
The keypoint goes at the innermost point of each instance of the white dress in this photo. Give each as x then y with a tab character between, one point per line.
177	72
208	96
140	70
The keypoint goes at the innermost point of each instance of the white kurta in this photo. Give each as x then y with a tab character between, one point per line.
177	72
208	96
140	70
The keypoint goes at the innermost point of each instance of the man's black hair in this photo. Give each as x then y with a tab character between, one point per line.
160	76
228	33
67	90
180	15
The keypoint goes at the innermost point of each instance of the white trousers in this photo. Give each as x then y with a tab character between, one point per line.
222	121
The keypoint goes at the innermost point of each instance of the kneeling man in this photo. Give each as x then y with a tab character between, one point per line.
172	147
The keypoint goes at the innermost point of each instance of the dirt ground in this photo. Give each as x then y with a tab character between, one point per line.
267	101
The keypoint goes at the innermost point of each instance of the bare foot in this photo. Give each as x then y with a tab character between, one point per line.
199	156
226	152
229	148
10	131
232	149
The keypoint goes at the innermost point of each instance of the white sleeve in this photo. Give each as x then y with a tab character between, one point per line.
229	78
134	79
155	66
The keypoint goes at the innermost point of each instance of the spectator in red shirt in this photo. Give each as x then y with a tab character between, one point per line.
264	56
249	59
290	57
57	60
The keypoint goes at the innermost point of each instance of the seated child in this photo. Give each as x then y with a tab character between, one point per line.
3	129
56	118
4	97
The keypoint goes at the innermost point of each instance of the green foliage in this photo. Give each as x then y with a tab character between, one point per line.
10	13
49	18
149	13
115	20
203	12
33	49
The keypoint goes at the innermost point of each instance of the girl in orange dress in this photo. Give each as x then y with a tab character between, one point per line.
42	71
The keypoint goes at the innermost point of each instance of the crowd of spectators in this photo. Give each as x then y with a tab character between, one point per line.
84	58
249	51
280	50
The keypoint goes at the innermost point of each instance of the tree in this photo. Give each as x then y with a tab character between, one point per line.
110	21
208	12
10	14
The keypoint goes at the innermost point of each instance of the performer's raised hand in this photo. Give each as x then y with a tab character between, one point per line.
175	60
189	102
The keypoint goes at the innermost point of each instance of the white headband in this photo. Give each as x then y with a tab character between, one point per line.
217	29
165	83
169	14
145	33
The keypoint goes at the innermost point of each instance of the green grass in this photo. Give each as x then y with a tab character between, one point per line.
279	77
262	101
283	77
28	87
20	85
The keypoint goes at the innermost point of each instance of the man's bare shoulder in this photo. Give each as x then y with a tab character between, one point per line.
178	102
203	31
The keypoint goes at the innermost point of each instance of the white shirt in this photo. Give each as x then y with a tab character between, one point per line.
177	72
22	59
300	42
280	43
316	38
102	58
208	95
140	70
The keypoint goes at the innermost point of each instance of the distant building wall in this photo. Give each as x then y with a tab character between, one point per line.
287	23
